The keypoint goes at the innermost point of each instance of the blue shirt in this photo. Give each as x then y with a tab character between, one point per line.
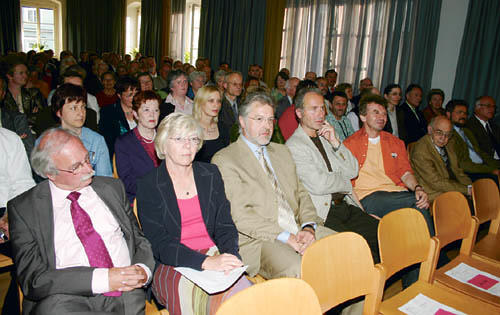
92	141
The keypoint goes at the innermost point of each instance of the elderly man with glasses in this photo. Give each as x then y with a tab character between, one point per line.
435	163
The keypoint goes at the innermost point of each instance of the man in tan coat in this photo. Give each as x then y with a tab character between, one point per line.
436	164
271	209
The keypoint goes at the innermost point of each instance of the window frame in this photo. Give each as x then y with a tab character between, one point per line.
44	4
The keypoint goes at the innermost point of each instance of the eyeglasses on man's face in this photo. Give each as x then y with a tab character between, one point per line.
78	167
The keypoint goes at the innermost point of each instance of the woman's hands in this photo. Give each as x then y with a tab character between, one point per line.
223	262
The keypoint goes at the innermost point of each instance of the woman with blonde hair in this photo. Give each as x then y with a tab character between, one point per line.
207	105
186	217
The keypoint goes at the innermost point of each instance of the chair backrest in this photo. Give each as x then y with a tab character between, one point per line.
404	240
487	202
279	296
339	268
115	172
452	219
135	213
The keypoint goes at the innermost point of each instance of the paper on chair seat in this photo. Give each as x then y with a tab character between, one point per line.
423	305
212	281
479	279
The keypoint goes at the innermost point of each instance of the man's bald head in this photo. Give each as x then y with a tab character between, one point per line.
440	130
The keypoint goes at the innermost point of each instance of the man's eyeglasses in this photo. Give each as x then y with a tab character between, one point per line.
488	106
77	167
441	133
260	119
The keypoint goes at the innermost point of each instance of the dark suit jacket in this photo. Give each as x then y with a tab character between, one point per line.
31	224
415	128
132	162
462	151
282	105
18	123
113	124
165	110
226	114
400	119
161	220
482	137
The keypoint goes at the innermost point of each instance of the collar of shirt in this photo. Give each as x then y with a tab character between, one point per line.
481	121
59	195
459	130
255	150
374	140
229	100
290	99
170	99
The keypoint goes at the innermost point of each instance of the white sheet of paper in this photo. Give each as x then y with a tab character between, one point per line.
212	281
423	305
464	273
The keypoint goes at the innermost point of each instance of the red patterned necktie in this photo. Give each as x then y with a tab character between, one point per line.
94	246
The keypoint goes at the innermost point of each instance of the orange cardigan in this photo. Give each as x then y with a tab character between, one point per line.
394	154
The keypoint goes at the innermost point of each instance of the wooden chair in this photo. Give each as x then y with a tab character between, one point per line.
279	296
487	206
452	221
151	307
115	172
404	240
340	268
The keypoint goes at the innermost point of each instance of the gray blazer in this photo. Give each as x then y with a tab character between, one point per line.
314	174
31	224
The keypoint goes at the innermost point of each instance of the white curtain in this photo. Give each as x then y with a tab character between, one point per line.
380	39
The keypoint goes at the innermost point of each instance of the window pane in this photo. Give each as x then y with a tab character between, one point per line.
29	14
47	16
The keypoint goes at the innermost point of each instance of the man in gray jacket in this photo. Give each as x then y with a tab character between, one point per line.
325	167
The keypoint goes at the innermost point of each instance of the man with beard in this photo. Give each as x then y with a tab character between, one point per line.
475	162
271	209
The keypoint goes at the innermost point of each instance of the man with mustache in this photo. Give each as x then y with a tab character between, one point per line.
471	158
75	241
271	209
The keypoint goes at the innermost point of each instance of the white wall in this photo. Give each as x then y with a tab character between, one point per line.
451	29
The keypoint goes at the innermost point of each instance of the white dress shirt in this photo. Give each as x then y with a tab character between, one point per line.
15	170
68	247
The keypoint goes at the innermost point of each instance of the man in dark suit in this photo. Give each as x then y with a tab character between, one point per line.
75	240
481	124
233	86
364	84
287	101
416	125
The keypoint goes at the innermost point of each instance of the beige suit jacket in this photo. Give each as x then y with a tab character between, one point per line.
431	171
254	206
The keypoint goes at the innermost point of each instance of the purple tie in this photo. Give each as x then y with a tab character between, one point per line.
92	242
